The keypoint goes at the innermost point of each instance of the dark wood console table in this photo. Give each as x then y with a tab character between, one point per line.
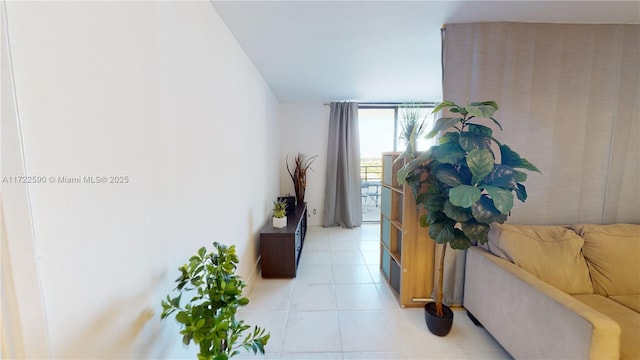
280	248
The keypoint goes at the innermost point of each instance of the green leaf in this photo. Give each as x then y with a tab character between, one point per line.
197	337
460	241
175	302
442	232
446	104
521	192
486	213
432	185
472	141
502	199
450	153
464	195
502	176
186	339
520	176
443	124
436	216
513	159
448	175
475	230
480	129
481	163
435	202
422	197
491	103
183	317
483	110
424	220
449	137
496	122
411	166
456	213
415	182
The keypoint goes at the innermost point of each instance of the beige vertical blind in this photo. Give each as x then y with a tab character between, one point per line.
569	98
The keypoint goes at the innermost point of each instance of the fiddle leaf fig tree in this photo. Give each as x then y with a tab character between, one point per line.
460	182
209	317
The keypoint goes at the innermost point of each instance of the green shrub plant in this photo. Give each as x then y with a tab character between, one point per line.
208	318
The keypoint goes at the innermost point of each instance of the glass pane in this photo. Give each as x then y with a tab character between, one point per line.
376	137
422	143
380	131
376	132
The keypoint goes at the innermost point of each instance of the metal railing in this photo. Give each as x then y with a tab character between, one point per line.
370	173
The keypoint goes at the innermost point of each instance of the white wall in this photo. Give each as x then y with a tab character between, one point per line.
24	333
161	93
305	128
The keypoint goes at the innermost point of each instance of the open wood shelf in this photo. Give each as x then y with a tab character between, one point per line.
406	251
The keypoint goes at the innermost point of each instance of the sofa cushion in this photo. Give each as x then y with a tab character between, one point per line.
552	253
628	320
630	301
612	253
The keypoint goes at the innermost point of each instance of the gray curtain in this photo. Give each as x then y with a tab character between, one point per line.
342	199
569	98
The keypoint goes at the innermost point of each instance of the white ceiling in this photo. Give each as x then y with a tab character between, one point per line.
377	51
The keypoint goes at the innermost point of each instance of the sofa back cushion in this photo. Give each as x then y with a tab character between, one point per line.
613	256
552	253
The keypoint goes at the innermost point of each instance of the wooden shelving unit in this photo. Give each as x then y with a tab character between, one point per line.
406	251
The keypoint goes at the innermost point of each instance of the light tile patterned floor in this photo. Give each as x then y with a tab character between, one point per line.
338	307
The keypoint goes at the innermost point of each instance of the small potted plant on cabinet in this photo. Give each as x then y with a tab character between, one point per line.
209	317
463	187
279	214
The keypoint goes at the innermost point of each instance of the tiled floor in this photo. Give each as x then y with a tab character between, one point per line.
338	307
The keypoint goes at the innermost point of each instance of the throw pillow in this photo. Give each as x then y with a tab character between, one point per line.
613	256
552	253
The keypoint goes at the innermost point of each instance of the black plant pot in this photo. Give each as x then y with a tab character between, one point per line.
439	326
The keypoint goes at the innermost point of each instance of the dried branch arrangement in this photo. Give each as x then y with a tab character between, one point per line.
301	164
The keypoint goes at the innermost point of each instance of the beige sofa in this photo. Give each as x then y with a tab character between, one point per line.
553	292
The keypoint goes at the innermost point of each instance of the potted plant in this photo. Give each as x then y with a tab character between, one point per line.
209	317
412	125
301	164
279	214
463	187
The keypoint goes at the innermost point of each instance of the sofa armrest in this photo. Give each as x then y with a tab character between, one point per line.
532	319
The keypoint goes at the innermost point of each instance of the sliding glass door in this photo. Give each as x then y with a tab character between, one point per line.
381	130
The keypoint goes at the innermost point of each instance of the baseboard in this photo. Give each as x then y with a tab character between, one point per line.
253	276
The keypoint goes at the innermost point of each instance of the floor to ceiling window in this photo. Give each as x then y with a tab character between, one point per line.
381	130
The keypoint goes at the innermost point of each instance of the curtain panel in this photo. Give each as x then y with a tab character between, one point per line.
343	200
569	98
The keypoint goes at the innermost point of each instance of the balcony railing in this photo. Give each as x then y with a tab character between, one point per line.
370	173
370	176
